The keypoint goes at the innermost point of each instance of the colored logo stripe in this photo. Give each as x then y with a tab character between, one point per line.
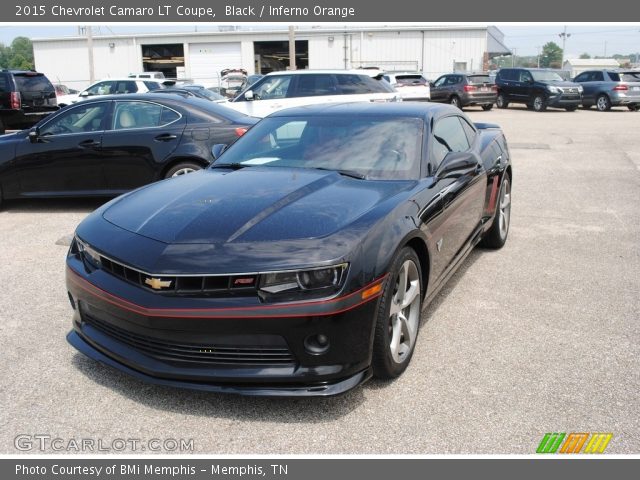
598	443
550	442
574	443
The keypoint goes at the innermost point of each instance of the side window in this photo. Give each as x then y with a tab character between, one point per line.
152	86
598	77
142	115
80	119
440	82
448	136
525	76
101	88
357	84
583	77
468	130
272	88
126	86
312	85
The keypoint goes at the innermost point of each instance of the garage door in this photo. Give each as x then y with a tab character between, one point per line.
208	59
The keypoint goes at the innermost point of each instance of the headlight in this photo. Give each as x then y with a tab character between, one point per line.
580	89
313	282
553	89
87	253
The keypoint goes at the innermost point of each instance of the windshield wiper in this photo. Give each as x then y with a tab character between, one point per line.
346	173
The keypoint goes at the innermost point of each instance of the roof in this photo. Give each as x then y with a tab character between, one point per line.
593	62
362	71
393	109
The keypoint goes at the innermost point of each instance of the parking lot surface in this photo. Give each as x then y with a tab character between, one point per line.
541	336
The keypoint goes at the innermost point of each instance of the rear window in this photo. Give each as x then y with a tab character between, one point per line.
357	84
411	80
478	79
33	83
625	77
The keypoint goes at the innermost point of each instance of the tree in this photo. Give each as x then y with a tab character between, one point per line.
551	56
585	56
18	55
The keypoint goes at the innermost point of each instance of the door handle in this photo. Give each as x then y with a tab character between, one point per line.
89	144
166	137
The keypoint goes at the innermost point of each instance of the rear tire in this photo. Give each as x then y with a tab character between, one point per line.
497	234
634	108
182	168
603	104
455	101
486	108
501	101
398	319
539	103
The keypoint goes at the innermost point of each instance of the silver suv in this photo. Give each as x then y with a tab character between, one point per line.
607	88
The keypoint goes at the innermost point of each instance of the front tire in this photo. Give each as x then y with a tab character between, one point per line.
603	104
496	236
398	319
571	109
501	101
455	101
539	103
486	108
182	168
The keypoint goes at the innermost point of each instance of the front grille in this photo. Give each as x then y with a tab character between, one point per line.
198	285
571	90
196	353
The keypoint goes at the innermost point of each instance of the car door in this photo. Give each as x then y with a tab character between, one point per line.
523	87
64	157
438	92
461	192
140	138
584	79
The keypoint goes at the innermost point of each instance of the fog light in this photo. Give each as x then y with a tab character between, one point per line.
316	344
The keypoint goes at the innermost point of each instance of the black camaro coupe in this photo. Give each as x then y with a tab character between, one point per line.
299	262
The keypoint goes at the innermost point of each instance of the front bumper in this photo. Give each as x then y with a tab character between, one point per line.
243	350
561	100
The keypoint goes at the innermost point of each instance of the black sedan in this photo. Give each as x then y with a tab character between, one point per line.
300	261
113	144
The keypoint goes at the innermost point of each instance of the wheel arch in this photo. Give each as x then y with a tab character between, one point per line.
180	159
418	245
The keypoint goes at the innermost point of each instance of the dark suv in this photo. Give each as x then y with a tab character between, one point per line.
537	89
463	89
26	97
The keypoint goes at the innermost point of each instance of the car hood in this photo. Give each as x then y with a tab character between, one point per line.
254	204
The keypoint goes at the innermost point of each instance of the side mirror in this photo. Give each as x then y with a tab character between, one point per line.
248	95
431	84
34	135
456	164
217	150
83	94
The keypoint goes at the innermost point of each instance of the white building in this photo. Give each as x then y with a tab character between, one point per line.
579	65
202	55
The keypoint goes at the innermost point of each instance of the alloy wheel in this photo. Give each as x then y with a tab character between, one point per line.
404	314
183	171
505	207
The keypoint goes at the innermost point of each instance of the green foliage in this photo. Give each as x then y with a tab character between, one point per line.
551	56
585	56
18	55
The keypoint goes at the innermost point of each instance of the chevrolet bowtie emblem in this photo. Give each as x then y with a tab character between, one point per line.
157	283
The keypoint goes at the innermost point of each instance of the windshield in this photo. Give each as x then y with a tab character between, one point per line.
380	148
542	76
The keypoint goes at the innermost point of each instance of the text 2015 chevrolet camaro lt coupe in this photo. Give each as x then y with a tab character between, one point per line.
299	263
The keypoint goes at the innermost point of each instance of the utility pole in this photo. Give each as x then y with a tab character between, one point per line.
539	53
513	57
564	35
89	31
292	48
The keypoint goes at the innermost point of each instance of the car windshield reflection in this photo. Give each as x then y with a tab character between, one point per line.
379	148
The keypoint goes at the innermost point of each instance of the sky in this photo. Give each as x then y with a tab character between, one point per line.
525	39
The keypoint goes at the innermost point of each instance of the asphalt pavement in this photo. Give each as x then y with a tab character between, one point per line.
540	336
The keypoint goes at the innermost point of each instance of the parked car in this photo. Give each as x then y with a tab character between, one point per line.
26	97
300	261
115	86
537	89
109	145
607	88
278	90
411	86
465	89
233	81
195	91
